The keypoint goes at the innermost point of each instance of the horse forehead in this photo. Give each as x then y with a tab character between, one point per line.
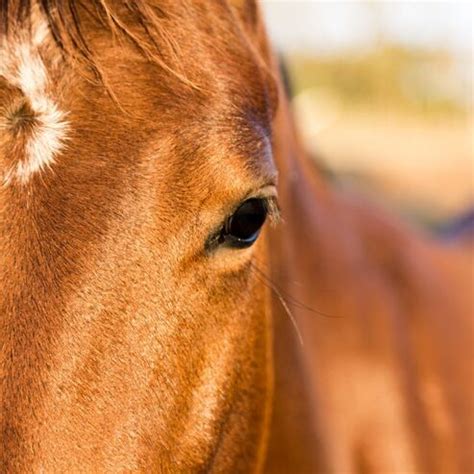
232	85
215	57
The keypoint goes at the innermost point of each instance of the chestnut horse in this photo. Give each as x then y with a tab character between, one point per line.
150	320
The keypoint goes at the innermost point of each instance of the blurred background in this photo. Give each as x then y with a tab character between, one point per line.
383	96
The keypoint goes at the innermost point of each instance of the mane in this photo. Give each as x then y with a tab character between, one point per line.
136	21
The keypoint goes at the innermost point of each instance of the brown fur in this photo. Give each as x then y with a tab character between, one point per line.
126	346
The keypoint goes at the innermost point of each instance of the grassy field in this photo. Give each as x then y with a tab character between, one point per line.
394	122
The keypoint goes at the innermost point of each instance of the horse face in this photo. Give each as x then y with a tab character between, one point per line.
134	246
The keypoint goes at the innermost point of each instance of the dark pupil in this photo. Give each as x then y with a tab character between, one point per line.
246	222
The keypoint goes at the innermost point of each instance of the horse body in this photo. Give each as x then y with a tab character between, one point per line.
129	343
382	379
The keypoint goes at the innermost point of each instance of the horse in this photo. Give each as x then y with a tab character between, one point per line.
181	289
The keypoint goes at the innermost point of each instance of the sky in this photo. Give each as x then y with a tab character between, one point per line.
325	27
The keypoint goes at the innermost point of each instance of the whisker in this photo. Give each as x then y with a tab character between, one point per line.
292	300
284	305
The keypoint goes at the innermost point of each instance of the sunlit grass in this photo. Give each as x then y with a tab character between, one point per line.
393	121
415	81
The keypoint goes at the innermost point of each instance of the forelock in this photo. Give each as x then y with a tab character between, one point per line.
139	22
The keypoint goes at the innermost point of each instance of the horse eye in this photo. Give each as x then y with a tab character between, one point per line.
242	229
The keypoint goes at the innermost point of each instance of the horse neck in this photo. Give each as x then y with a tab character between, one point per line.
327	257
294	438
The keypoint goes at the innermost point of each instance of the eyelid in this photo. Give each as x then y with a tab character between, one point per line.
267	191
